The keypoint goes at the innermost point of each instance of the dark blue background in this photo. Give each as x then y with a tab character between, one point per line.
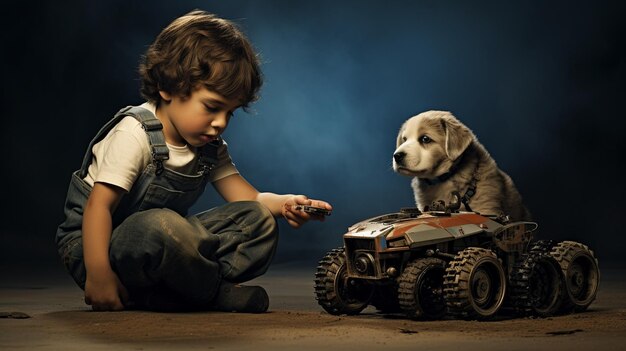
542	84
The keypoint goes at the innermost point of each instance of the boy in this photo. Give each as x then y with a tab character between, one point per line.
125	239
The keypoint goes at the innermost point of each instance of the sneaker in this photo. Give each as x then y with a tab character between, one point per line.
240	298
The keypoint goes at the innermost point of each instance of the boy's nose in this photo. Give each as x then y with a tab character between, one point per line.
220	121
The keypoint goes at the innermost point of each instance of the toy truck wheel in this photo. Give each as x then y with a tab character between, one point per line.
420	288
536	283
474	284
337	293
581	274
542	246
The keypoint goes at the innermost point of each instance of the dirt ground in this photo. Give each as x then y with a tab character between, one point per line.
59	320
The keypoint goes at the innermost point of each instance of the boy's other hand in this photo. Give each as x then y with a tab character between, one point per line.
296	218
105	292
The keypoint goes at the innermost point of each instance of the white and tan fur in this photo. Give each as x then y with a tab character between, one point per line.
435	144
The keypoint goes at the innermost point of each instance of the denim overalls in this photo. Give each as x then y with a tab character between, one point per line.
153	245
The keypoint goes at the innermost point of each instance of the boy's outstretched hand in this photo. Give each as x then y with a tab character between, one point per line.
296	217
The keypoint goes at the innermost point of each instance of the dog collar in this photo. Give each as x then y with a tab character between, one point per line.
442	178
471	186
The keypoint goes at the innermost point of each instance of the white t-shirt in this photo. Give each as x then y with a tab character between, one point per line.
124	153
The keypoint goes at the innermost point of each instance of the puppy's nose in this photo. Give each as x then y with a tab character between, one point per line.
399	157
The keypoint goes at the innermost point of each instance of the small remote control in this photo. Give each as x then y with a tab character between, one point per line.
313	210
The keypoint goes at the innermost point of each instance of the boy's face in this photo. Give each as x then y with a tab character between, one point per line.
196	120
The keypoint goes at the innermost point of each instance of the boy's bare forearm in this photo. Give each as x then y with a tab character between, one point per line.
274	202
97	226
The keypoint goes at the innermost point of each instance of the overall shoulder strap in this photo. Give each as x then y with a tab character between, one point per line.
154	130
150	123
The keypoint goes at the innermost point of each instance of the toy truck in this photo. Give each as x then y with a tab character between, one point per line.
445	263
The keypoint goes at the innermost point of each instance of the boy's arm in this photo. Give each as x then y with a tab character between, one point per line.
103	289
235	188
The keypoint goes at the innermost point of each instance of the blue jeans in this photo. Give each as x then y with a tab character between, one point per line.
158	249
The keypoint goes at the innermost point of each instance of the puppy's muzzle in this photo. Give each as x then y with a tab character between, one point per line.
399	157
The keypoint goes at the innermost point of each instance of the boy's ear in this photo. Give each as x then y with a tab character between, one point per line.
167	97
458	136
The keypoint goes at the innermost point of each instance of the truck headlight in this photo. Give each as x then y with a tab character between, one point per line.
363	262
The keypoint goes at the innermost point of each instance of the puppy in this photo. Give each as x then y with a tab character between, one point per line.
443	155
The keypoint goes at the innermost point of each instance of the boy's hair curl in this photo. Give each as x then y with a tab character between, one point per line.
199	49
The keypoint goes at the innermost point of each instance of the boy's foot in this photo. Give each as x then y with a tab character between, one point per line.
240	298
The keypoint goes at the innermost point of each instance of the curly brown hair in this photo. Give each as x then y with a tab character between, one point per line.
199	49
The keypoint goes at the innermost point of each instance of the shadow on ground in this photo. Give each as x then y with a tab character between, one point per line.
60	320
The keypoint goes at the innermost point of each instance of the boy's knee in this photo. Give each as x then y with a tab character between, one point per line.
155	221
150	230
145	238
261	217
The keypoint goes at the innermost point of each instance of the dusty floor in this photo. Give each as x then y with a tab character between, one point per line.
60	321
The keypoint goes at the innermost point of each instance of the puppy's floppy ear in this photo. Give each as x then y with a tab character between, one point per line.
399	140
458	136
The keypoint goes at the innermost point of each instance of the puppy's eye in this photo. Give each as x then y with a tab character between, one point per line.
403	139
425	139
